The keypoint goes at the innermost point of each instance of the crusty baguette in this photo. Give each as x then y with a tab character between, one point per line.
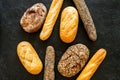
86	18
92	65
51	19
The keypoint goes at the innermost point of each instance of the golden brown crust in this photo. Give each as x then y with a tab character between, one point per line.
51	19
73	60
69	24
92	65
29	57
33	18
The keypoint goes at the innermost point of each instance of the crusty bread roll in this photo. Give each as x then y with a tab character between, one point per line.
29	57
73	60
33	18
69	24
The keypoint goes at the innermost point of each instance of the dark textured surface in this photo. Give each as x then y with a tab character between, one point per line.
106	15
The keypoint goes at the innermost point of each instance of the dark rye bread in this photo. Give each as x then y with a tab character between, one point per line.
33	18
73	60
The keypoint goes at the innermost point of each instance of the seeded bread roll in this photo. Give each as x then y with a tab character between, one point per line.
73	60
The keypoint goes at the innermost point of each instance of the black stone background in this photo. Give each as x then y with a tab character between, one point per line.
106	16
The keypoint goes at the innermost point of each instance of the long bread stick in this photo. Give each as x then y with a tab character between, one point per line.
92	65
51	19
86	18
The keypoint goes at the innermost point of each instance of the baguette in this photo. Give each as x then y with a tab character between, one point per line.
92	65
51	19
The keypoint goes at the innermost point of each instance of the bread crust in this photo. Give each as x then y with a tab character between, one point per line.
92	65
86	18
49	73
29	57
51	19
33	18
73	60
69	24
